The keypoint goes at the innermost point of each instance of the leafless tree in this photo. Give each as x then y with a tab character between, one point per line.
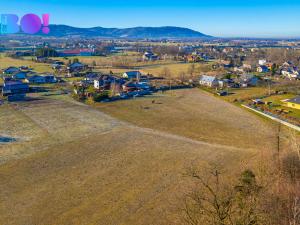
207	204
216	201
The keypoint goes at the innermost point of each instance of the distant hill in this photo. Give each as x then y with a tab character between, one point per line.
136	32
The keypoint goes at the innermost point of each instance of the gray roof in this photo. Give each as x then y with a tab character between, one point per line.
208	78
295	100
132	73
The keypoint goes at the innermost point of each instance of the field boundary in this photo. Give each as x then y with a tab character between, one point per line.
274	118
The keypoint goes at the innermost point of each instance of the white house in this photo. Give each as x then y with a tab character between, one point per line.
208	81
290	73
132	75
262	62
262	69
150	56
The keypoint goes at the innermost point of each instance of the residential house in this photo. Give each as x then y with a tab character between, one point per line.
104	82
262	62
269	65
50	78
132	75
287	64
262	69
193	58
11	70
20	75
57	65
150	56
14	87
24	68
76	67
91	77
209	81
143	86
246	80
36	79
41	59
77	52
290	72
129	86
293	103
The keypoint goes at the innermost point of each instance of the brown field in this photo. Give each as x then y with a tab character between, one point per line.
176	69
132	62
195	114
105	65
246	93
73	164
38	67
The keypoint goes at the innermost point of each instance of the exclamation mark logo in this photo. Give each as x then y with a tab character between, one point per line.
46	29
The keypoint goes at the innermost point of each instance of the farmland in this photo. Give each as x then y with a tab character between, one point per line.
75	164
38	67
116	64
192	113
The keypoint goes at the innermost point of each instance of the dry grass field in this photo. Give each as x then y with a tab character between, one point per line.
176	69
38	67
246	93
73	164
195	114
133	62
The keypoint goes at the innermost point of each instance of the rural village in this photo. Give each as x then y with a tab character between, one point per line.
147	131
104	72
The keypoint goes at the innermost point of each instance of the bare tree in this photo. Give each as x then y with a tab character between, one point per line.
216	201
207	204
295	143
191	70
166	73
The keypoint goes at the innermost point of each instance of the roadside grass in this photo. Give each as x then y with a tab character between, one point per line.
243	94
278	104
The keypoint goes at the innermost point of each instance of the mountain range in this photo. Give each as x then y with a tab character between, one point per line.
135	32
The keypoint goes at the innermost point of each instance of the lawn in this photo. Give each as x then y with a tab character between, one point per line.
278	104
242	94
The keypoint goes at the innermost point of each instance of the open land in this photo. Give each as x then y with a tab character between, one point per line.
121	162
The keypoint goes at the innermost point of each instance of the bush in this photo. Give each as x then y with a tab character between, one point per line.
101	96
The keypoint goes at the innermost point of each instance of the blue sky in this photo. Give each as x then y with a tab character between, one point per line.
224	18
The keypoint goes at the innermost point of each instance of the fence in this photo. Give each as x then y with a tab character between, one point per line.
274	118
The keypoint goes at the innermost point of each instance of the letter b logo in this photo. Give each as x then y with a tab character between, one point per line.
9	24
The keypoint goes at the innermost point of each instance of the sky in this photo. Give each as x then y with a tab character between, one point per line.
220	18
